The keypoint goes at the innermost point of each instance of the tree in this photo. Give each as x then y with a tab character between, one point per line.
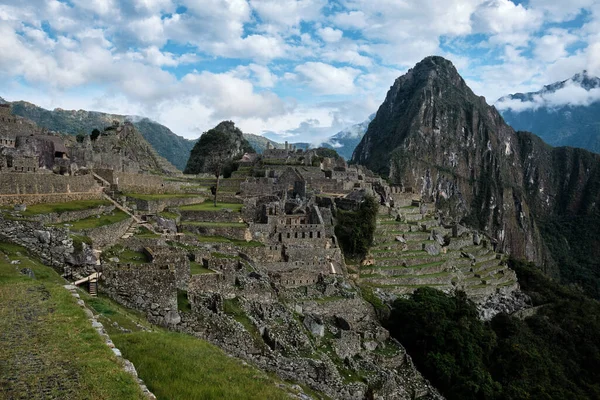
95	134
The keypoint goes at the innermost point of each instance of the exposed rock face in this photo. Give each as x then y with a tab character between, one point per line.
224	138
433	134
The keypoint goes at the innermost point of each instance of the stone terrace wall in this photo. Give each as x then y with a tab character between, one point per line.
156	206
139	183
16	183
69	216
108	234
143	288
212	216
52	245
226	231
31	199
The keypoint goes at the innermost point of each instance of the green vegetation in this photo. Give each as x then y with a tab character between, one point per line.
217	224
49	348
79	240
207	206
197	269
125	255
221	145
183	304
151	197
179	366
574	242
46	208
355	229
98	221
144	232
169	215
554	354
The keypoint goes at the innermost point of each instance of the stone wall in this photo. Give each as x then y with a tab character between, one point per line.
145	288
69	216
226	231
16	188
31	199
107	235
159	205
51	244
211	216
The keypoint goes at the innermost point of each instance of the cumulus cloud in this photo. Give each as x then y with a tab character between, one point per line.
329	34
572	94
327	79
301	68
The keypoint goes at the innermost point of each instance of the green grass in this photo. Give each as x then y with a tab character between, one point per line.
209	206
125	256
47	208
197	269
216	254
144	232
150	197
96	222
169	215
47	341
419	266
177	366
217	224
183	304
79	240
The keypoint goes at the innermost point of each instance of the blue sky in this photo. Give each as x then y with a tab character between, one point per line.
299	70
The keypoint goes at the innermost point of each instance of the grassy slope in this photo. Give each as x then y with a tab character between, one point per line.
209	206
179	366
48	347
46	208
96	222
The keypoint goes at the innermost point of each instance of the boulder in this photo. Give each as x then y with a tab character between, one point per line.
314	325
433	249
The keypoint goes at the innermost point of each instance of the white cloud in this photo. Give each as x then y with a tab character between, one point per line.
553	46
327	79
330	35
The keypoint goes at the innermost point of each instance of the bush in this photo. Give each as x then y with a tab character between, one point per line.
355	229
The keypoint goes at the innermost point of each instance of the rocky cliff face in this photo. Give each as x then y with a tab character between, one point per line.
434	135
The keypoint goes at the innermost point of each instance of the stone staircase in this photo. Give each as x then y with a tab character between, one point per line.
412	250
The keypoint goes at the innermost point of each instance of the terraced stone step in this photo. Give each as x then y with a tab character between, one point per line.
481	267
419	269
408	260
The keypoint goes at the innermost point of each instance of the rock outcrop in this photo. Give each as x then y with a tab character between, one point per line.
225	141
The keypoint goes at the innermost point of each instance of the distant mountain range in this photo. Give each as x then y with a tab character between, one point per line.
174	148
345	141
565	113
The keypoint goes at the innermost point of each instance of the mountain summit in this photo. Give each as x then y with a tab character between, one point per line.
434	136
565	113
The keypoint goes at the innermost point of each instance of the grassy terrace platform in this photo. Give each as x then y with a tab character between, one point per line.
179	366
197	269
209	206
222	239
48	346
150	197
47	208
216	224
96	222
